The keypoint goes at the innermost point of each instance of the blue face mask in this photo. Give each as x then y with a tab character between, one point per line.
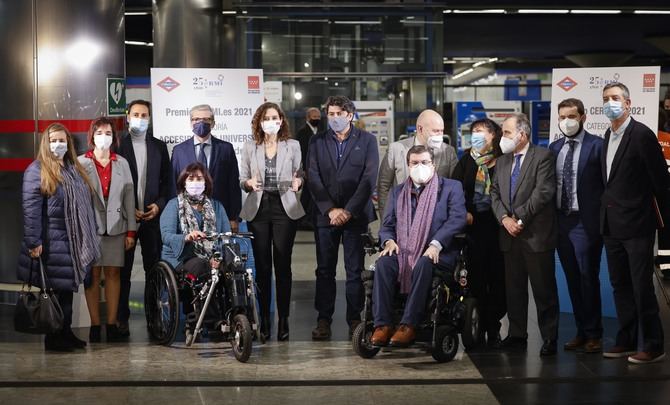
613	109
478	140
338	124
202	128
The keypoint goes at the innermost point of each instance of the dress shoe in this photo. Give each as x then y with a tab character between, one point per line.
265	327
382	335
57	342
514	344
322	330
574	344
352	327
646	357
617	352
124	329
548	348
94	334
404	336
592	346
72	338
282	328
113	334
493	341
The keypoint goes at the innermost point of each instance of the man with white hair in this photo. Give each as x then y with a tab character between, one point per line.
216	155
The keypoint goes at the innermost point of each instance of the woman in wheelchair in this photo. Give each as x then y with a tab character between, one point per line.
188	218
423	215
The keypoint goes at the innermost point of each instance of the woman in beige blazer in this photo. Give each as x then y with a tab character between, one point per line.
270	173
114	207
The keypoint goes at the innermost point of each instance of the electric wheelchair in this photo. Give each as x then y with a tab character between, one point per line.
449	310
223	299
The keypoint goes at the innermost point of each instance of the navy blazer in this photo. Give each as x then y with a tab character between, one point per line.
158	189
222	167
590	184
350	186
638	174
448	218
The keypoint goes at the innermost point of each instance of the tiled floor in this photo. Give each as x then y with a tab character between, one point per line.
302	371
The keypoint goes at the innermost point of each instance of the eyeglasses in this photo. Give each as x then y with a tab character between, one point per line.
202	119
413	163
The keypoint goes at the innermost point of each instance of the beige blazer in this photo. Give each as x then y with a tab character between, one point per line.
117	215
393	169
288	162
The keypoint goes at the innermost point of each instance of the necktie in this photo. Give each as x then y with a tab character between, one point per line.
202	158
515	176
568	174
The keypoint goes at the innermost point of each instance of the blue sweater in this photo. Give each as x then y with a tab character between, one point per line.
175	249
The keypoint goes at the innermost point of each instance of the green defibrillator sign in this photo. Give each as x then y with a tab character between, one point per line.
116	96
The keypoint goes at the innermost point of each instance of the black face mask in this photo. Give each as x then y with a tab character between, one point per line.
314	123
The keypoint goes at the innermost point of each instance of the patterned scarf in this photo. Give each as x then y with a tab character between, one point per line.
80	223
482	178
412	233
189	223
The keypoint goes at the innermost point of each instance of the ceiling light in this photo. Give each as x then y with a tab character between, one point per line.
651	12
365	22
543	11
595	11
137	13
228	12
306	64
140	43
446	11
463	73
485	11
297	95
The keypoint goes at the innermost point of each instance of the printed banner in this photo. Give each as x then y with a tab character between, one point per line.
587	85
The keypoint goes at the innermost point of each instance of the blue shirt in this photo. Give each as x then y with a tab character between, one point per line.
339	146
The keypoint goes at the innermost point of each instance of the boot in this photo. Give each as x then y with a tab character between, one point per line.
72	338
113	333
94	334
265	327
282	329
57	342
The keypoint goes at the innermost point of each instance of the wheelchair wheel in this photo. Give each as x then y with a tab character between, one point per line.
470	332
161	304
446	344
360	340
240	338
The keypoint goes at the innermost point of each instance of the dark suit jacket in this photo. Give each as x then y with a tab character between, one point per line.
638	173
533	199
590	184
303	136
350	186
222	167
159	184
448	218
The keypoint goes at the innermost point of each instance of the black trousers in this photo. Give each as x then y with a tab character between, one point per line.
327	247
520	266
274	234
631	267
65	299
487	271
149	237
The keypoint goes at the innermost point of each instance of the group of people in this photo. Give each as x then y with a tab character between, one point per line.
517	201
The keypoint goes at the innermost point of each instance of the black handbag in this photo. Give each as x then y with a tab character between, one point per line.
38	312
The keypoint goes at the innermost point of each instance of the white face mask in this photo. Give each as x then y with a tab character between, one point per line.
102	141
58	149
508	145
569	126
421	173
195	188
271	127
435	141
138	125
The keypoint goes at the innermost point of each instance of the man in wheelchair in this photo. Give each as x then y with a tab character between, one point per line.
422	216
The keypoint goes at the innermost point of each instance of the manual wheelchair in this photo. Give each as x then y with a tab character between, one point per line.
222	299
449	310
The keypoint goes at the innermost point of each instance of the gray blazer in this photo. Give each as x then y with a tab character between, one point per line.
117	215
288	162
393	169
533	199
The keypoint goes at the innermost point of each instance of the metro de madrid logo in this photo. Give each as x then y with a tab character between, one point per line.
567	83
168	84
649	83
254	84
